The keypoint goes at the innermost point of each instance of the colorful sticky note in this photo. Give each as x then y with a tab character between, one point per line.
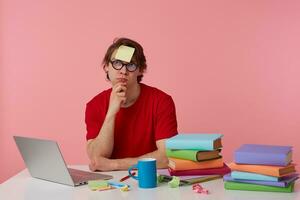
105	188
124	53
97	184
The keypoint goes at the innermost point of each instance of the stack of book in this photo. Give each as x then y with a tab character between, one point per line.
262	168
193	154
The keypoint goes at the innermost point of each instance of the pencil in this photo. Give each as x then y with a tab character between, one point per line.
126	177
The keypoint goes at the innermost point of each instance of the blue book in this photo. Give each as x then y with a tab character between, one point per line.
252	176
284	182
196	141
257	154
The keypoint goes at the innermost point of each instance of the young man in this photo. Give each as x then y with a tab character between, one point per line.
130	120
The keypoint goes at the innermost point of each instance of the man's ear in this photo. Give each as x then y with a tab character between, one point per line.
105	68
141	72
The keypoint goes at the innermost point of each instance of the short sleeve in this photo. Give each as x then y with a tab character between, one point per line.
166	123
93	120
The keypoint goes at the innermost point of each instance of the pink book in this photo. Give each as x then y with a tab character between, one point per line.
211	171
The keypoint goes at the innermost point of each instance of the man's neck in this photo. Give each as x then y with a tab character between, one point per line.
132	95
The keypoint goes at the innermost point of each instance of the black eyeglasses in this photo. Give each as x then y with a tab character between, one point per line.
118	65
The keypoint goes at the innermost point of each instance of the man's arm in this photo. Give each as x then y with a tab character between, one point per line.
103	144
105	164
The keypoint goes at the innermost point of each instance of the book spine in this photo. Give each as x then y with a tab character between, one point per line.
182	154
210	171
179	164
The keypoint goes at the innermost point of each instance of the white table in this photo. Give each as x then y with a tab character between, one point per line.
23	186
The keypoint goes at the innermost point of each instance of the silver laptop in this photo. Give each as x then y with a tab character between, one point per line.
45	161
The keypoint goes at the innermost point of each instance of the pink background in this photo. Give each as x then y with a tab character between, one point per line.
231	66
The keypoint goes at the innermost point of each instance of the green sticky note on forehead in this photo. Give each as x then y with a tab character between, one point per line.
124	53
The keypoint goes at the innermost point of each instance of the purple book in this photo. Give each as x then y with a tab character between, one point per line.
285	181
257	154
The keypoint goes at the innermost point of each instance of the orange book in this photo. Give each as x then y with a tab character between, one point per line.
180	164
264	169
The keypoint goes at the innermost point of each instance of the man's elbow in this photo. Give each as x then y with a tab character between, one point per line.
94	152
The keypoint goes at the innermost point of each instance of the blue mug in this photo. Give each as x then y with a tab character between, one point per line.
147	175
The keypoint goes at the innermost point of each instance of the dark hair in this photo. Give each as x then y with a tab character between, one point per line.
138	57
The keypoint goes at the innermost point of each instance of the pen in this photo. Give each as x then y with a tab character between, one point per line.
126	177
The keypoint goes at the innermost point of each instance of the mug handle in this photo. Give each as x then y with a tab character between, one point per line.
129	171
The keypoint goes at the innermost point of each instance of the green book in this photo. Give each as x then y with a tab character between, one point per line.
229	185
194	155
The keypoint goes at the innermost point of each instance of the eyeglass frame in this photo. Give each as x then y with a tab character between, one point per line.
123	64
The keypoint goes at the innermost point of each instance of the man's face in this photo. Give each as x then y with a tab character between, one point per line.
125	74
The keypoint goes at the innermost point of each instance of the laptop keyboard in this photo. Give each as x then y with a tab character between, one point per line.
79	172
83	176
79	175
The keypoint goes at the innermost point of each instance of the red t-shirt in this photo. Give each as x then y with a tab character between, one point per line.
152	117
